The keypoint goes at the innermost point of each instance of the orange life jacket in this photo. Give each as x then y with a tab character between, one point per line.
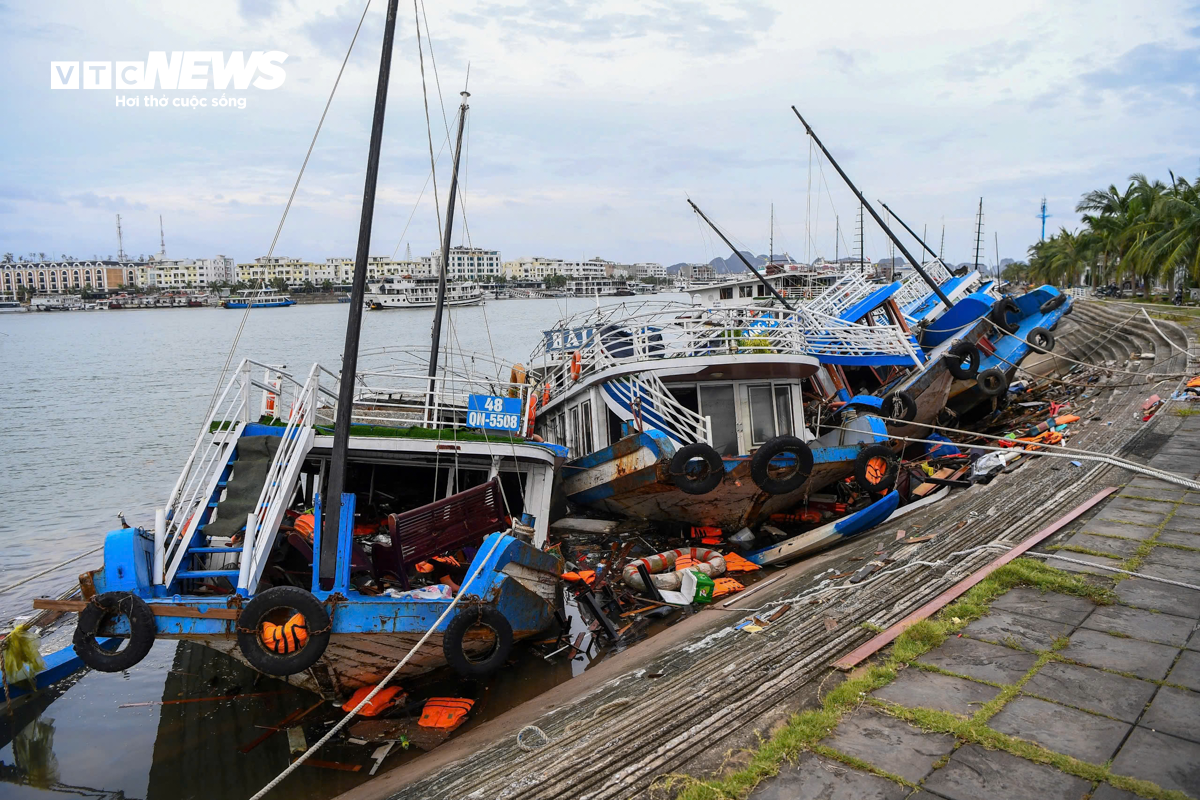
724	586
286	638
379	703
735	563
445	713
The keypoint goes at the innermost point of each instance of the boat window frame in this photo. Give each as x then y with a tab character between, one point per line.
587	445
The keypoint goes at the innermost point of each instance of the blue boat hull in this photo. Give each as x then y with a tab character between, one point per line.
828	535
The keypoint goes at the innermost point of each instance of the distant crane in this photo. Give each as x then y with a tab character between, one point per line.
162	239
1043	216
120	241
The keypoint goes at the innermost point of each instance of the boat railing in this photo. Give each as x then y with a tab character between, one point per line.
845	292
280	484
654	406
568	354
188	505
915	288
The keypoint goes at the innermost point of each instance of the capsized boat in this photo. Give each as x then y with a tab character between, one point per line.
236	548
690	414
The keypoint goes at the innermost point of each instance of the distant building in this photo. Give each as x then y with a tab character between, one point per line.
466	264
185	273
67	276
646	269
698	273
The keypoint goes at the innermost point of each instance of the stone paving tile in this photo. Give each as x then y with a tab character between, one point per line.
1146	518
1110	528
1186	671
1139	623
890	744
1163	492
1188	576
1173	557
1174	711
1143	659
1160	596
916	689
1183	522
815	777
1117	507
1058	561
1188	512
1179	537
1194	642
1045	605
1064	730
1145	481
1093	690
1105	544
1107	792
981	660
973	773
1029	633
1170	762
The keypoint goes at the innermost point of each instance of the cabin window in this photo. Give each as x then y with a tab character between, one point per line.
718	404
745	291
762	290
727	293
585	441
575	442
770	412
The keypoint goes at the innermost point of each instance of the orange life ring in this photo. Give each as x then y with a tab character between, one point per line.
533	401
546	394
576	366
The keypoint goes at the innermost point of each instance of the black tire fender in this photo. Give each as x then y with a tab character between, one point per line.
99	611
866	465
1000	312
962	360
453	641
760	464
268	602
1040	338
899	405
711	475
992	382
1053	303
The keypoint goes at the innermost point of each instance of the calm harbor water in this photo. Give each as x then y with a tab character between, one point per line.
102	409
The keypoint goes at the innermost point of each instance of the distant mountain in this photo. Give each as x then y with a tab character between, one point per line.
733	264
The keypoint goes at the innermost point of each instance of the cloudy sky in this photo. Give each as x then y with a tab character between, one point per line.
592	122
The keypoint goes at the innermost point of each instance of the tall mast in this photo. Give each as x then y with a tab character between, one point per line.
904	225
942	248
441	295
837	234
738	253
996	234
861	255
772	261
875	215
979	234
345	406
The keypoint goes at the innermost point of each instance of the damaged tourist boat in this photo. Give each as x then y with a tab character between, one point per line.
333	527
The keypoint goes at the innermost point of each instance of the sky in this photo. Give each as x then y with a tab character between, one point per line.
592	122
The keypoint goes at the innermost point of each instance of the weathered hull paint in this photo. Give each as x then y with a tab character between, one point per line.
632	479
827	535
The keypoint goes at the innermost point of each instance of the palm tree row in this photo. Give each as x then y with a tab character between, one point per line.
1148	232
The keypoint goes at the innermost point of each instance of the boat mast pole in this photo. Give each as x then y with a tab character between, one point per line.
445	266
341	429
737	253
911	232
875	215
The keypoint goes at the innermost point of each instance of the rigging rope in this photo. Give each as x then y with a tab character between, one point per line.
279	229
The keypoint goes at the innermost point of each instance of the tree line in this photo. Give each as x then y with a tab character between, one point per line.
1148	232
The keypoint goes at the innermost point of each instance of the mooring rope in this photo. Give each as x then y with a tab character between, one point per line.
1141	575
379	686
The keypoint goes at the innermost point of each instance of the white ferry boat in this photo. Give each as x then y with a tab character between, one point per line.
254	298
405	291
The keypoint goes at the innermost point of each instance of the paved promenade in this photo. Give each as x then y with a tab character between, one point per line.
1048	695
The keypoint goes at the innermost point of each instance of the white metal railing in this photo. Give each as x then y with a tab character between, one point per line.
675	330
848	290
280	484
652	405
915	288
199	481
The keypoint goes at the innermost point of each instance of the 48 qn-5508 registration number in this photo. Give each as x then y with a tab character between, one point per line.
485	419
